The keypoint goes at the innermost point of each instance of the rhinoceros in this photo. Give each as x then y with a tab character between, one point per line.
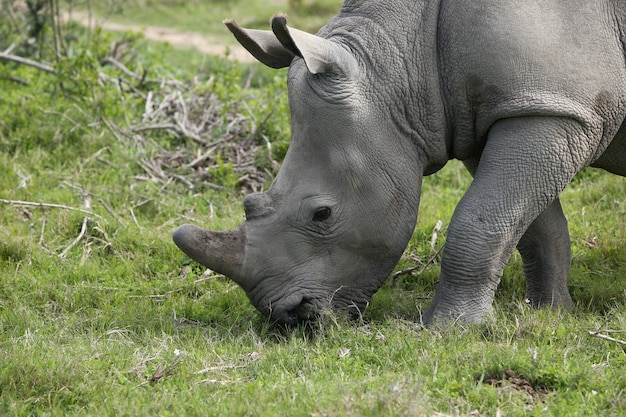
525	94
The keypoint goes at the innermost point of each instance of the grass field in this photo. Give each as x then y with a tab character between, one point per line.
100	314
206	16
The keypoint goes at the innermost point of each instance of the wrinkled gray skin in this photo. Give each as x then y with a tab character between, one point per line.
526	94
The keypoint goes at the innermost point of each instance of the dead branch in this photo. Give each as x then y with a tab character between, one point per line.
141	78
602	335
165	371
421	268
29	62
83	230
110	211
48	205
9	49
132	214
14	20
41	234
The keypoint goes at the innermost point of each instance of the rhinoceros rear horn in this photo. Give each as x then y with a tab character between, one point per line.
320	55
278	49
220	251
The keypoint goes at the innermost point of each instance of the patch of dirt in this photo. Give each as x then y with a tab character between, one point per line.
177	38
512	381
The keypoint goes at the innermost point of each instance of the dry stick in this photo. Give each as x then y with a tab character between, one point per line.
113	129
132	214
164	372
200	159
168	223
43	228
83	230
9	49
25	61
63	116
142	78
409	270
17	80
56	27
110	211
14	19
600	334
49	205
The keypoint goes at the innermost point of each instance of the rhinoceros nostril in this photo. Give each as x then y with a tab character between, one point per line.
292	319
257	205
302	312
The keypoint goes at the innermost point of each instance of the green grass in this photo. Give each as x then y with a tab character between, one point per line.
206	16
124	324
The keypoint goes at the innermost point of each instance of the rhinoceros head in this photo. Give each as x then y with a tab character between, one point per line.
342	208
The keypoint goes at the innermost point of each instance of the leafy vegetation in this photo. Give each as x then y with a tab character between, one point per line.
100	314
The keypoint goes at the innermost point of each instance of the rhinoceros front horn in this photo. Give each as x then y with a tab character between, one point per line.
220	251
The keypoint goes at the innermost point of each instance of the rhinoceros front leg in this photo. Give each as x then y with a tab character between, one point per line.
525	164
545	248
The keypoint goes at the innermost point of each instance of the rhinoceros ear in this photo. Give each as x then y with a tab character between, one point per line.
320	55
262	44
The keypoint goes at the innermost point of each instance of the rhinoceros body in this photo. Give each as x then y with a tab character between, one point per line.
525	94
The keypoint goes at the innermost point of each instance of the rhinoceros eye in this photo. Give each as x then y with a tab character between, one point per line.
321	214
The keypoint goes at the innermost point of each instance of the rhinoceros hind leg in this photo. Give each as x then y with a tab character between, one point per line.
546	254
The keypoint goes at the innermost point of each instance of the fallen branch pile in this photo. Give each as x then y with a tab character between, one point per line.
209	134
187	133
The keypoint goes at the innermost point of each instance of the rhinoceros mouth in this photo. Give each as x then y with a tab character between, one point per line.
304	310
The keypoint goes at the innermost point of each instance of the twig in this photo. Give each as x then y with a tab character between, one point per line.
17	80
164	372
219	368
25	61
421	268
49	205
167	223
59	46
14	19
142	78
113	129
110	211
43	228
83	230
200	159
601	334
216	381
63	116
120	66
166	126
9	49
132	214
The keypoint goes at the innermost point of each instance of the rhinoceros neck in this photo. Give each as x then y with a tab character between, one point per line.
396	43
